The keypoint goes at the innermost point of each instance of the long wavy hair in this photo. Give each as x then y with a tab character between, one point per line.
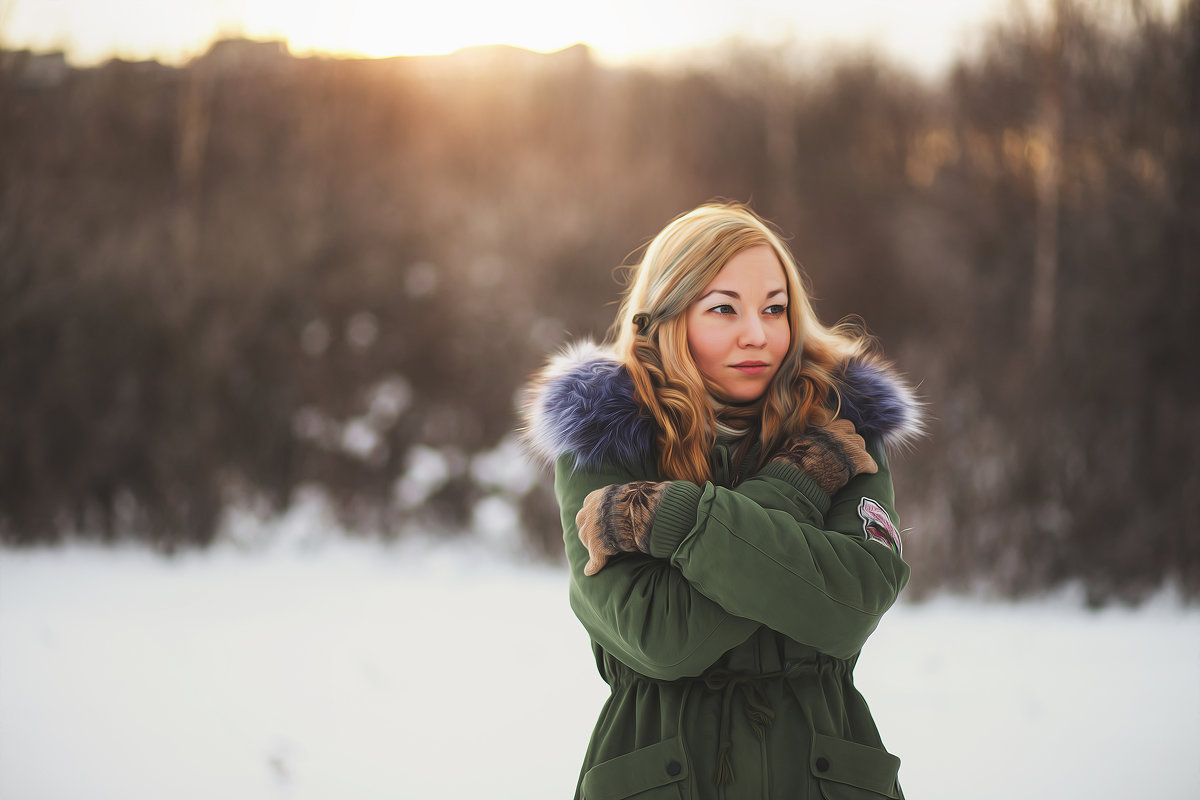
649	336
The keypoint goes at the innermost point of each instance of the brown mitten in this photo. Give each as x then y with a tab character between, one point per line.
831	456
617	519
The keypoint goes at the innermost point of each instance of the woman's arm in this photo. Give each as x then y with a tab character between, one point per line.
777	550
642	610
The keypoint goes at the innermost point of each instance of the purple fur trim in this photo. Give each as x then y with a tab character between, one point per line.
881	407
583	404
588	409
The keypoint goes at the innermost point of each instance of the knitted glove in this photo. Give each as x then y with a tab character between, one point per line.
831	456
617	519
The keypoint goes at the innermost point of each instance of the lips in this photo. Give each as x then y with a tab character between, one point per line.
750	367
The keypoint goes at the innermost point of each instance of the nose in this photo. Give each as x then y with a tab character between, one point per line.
752	334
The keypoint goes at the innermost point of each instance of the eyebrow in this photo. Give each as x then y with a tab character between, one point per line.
736	296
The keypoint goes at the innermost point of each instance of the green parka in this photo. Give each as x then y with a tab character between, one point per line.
730	648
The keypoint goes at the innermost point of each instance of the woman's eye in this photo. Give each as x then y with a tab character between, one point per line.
776	310
724	308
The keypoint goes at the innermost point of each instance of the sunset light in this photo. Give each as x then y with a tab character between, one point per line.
926	33
381	28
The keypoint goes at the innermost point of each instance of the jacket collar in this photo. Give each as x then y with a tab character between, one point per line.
582	403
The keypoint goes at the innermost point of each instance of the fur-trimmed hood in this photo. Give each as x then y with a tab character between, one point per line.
583	403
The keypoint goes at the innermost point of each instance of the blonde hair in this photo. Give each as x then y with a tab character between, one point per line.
649	336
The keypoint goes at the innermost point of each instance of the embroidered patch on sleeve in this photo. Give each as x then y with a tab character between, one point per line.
877	525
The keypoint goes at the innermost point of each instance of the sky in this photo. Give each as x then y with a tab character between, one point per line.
926	34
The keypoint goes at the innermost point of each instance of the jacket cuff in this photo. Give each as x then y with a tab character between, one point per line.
674	518
798	480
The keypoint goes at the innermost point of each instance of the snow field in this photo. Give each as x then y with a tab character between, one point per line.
359	671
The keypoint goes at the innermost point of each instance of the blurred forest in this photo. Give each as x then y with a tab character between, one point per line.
225	284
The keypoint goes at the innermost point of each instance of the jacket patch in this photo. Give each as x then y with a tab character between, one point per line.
877	525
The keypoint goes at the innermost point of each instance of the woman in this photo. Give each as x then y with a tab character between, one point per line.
728	515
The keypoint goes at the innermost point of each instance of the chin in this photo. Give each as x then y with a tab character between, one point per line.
742	394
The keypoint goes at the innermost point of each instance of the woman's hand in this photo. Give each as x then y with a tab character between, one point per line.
617	519
831	456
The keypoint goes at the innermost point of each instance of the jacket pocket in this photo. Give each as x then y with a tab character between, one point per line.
851	771
651	773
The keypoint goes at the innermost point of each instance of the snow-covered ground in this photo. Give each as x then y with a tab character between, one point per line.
349	670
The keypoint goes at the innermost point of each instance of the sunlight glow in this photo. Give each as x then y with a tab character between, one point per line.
924	33
618	29
382	28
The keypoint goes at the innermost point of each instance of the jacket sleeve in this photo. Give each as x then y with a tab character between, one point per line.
779	551
641	609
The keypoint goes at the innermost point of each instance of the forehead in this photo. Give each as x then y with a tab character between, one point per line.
754	269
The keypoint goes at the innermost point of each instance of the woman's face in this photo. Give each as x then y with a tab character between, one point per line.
738	331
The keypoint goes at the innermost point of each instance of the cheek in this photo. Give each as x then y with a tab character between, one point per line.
703	346
784	341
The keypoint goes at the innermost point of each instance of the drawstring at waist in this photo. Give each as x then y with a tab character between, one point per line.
758	710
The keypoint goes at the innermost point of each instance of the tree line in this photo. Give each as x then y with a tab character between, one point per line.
225	282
